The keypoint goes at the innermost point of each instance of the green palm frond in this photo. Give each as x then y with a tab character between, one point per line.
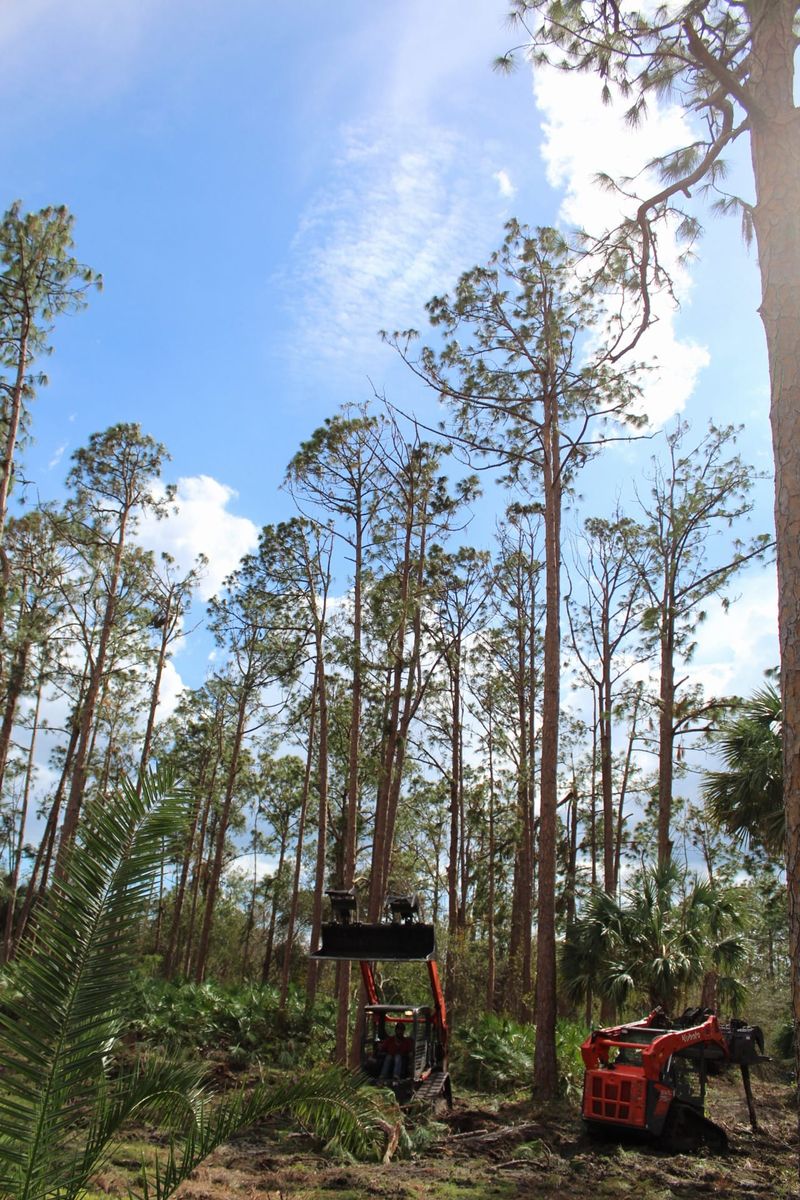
168	1094
746	798
331	1102
658	941
69	984
61	1104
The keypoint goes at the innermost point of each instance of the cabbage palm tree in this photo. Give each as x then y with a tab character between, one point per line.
667	931
747	797
62	1100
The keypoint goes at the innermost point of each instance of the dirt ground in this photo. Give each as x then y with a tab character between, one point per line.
507	1151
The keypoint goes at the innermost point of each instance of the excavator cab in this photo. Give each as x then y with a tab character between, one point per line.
401	936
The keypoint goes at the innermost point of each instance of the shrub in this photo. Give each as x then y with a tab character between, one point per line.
495	1054
246	1021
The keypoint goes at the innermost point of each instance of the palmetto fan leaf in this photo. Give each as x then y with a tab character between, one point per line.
658	941
69	982
746	797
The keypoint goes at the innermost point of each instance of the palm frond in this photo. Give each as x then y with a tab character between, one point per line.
746	798
334	1103
167	1093
70	980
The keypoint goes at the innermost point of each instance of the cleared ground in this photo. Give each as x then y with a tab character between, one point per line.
505	1150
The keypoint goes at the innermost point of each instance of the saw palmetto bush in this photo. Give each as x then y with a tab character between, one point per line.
246	1021
63	1099
495	1054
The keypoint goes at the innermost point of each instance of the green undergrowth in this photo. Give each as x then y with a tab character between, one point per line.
495	1055
246	1023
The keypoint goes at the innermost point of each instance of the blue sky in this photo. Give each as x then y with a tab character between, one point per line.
265	185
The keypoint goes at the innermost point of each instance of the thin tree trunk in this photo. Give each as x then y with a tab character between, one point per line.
666	733
312	976
350	832
8	937
154	696
623	790
16	683
14	416
521	901
491	954
273	916
298	858
545	1073
216	867
168	965
606	781
196	877
453	864
593	816
96	675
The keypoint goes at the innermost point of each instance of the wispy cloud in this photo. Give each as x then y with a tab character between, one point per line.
401	214
583	138
80	49
57	456
504	185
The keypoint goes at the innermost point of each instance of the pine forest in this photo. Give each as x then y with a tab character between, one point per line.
459	683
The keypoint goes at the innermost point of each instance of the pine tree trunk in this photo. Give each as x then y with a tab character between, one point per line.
351	817
312	975
168	966
154	696
491	954
8	937
606	781
775	147
12	424
545	1070
298	858
16	683
219	850
453	862
266	965
521	901
666	726
96	676
196	879
623	791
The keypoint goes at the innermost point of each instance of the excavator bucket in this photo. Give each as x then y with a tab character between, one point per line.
395	942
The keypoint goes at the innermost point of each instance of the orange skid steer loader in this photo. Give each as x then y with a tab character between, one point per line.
650	1076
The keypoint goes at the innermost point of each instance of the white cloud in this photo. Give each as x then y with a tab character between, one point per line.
243	865
170	691
583	138
202	525
57	456
504	185
403	212
736	646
